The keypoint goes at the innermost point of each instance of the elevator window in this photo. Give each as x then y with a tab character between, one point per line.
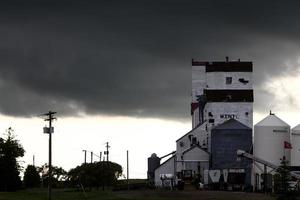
228	80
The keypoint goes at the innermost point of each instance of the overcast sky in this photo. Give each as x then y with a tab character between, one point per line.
133	58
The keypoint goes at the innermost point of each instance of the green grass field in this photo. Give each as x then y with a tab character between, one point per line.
132	195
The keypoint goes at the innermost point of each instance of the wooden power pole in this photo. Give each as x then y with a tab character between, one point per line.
84	156
49	130
127	171
107	152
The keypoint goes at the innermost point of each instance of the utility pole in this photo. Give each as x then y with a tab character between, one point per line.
49	130
84	156
100	155
107	152
33	161
127	171
91	157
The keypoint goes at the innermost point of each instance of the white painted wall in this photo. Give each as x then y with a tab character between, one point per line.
165	168
184	143
269	143
196	154
217	80
195	118
192	159
198	81
229	109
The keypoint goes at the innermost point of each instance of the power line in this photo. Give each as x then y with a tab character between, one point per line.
92	155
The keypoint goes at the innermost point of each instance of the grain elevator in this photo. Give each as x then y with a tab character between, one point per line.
221	151
222	120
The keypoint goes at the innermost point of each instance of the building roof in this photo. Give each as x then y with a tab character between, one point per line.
164	162
233	125
193	147
296	130
190	131
272	120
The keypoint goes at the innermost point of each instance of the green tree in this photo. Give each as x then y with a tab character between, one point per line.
97	175
281	179
59	175
10	150
31	177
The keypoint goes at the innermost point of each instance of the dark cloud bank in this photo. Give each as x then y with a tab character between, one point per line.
134	57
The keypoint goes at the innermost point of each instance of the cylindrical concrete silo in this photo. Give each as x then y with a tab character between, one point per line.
295	141
269	137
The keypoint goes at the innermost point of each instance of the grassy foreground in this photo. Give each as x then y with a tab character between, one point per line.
132	195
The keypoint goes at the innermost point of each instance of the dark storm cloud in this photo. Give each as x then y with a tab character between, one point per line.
133	57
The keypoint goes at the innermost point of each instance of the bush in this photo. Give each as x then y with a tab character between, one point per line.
31	177
98	174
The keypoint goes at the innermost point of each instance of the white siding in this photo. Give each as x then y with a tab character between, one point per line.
196	154
217	80
295	151
228	110
199	133
269	144
192	159
198	81
195	118
269	136
165	168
